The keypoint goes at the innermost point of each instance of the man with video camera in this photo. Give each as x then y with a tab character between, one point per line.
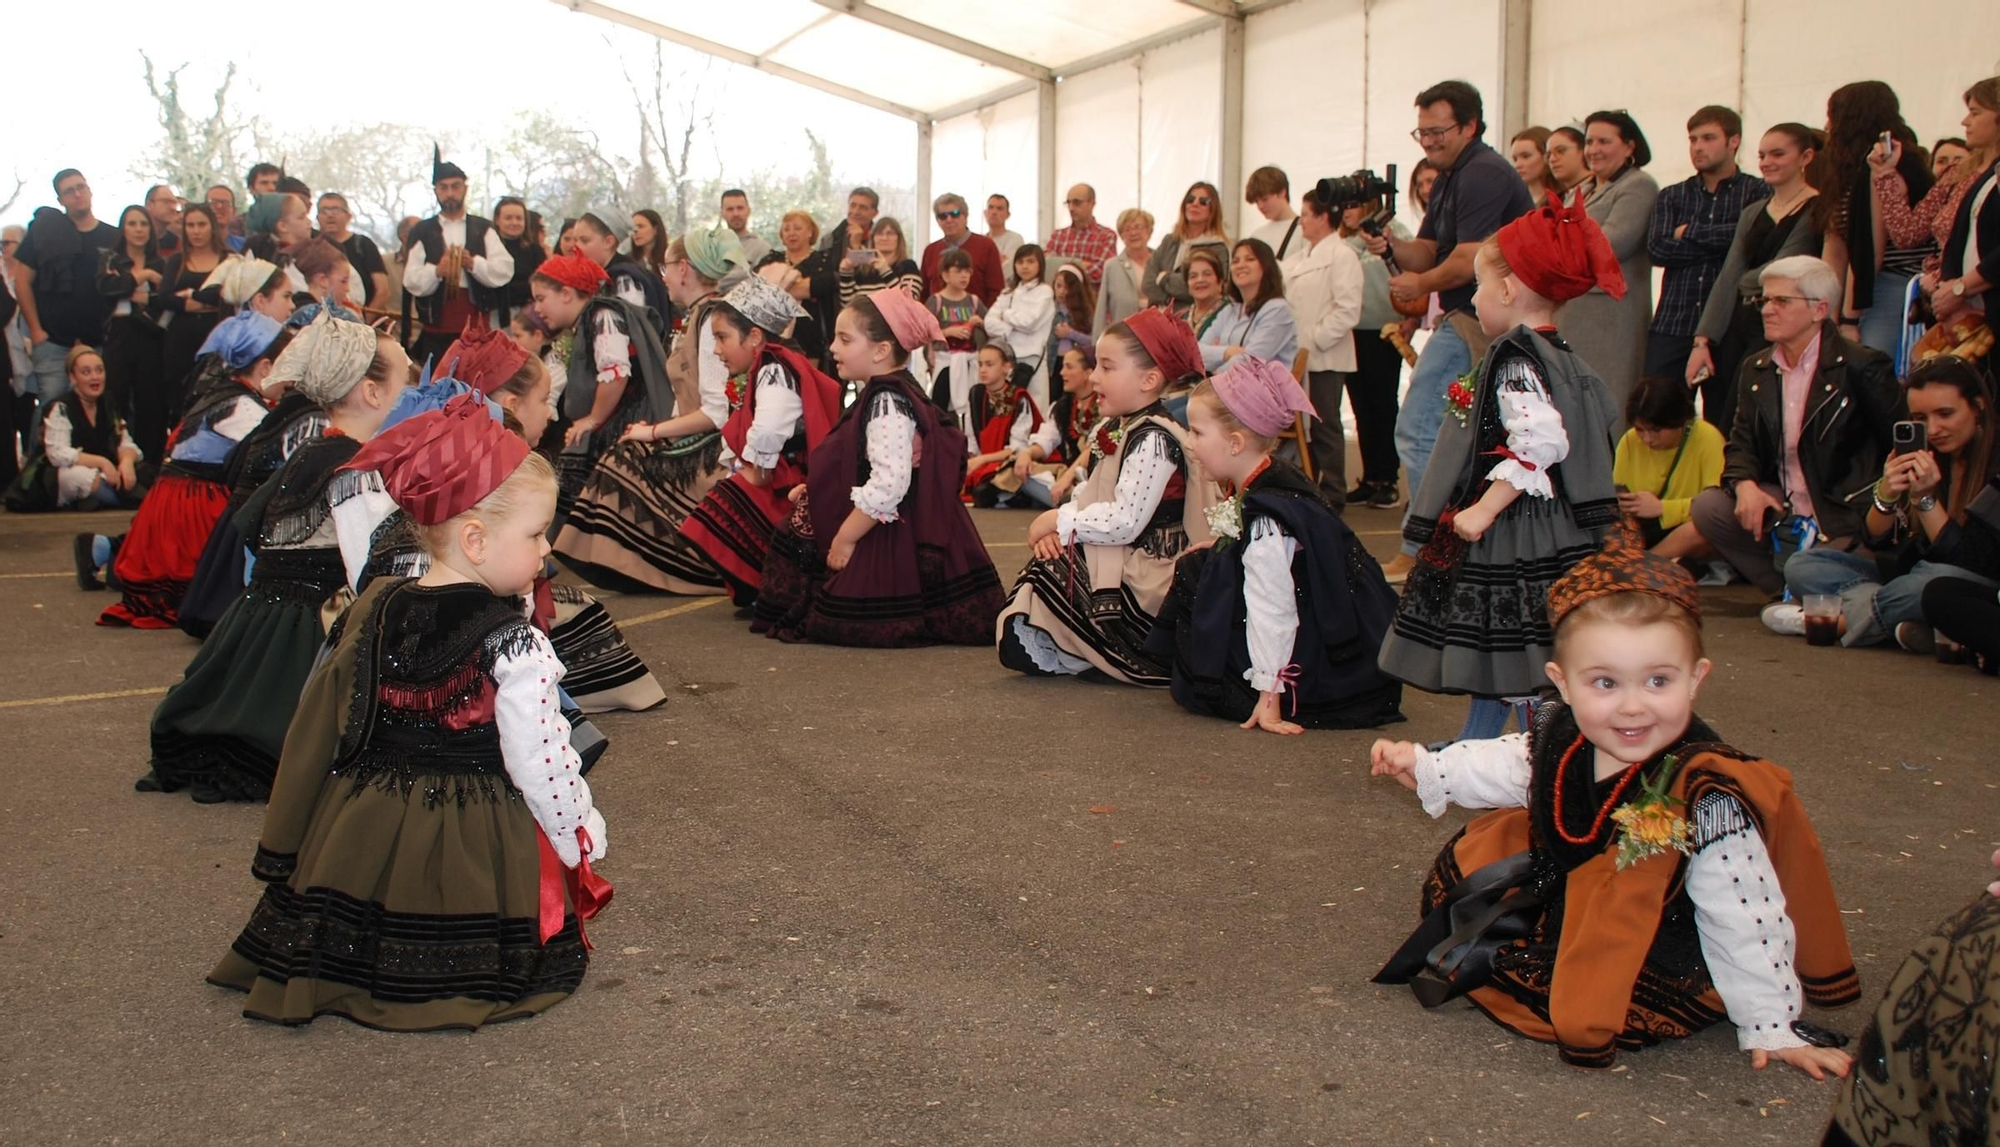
1477	192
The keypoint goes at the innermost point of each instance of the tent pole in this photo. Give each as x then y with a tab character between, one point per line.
1045	157
1232	123
1515	114
926	128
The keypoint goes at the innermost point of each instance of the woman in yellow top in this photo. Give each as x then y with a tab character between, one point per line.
1663	461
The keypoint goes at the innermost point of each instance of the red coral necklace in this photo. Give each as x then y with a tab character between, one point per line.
1604	813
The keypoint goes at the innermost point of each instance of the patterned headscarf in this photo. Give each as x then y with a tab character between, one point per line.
764	304
1169	340
326	360
239	278
714	251
580	273
1262	395
440	464
311	311
482	359
1561	253
1624	565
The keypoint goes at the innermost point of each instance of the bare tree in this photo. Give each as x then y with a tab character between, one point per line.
383	169
668	131
13	197
195	151
562	170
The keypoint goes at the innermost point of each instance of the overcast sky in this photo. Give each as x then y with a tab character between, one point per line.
78	93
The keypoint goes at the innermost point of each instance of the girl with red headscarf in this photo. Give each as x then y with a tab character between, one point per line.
1520	489
1103	563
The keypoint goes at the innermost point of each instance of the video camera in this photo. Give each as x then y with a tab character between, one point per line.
1361	189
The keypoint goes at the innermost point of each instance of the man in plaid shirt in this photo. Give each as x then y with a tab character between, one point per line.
1085	240
1694	222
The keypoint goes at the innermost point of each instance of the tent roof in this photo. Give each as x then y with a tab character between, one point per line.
917	58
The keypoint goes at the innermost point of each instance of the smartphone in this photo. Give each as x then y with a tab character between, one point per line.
1703	375
861	256
1621	488
1910	437
1888	141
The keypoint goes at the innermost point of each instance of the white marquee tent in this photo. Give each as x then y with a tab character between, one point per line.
1143	97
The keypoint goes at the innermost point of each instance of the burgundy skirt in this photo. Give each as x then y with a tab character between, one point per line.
156	563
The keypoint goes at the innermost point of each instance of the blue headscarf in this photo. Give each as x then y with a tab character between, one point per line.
431	394
311	311
240	338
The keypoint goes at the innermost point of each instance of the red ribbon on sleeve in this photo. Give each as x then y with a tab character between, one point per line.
587	891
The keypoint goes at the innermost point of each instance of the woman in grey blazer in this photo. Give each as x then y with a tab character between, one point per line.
1610	334
1768	230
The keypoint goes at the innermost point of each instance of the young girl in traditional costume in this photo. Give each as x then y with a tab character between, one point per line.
1521	487
1277	626
1642	880
880	550
788	410
157	560
625	529
615	367
603	672
1104	561
220	575
1004	420
1058	453
218	732
426	852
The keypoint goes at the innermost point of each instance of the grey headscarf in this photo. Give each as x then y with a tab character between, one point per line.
327	359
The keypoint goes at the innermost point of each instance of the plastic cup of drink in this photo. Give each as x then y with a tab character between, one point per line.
1822	618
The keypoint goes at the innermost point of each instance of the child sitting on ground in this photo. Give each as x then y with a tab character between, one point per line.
428	843
1285	615
880	551
1103	561
1003	420
1662	462
1059	454
1642	879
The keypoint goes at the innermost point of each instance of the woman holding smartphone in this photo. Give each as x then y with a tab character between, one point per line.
1944	456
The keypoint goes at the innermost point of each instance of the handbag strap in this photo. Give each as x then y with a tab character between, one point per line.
1687	432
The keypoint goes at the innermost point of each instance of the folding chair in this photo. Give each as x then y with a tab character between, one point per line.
1301	433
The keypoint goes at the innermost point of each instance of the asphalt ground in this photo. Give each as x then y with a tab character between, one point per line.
910	898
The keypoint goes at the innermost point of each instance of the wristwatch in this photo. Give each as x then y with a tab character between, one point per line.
1925	504
1958	287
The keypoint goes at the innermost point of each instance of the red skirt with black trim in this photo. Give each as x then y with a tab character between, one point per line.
156	563
733	526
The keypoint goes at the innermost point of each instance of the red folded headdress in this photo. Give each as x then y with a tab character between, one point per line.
482	359
1169	340
1561	253
580	273
441	463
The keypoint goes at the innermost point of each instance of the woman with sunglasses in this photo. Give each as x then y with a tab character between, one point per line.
1199	225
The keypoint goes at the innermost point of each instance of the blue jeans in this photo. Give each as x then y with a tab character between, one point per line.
1882	323
49	381
1035	493
1445	357
1874	609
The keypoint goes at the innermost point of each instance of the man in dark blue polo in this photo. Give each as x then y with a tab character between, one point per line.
1477	193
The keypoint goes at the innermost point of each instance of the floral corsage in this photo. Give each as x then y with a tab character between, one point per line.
1651	823
1225	520
1108	437
1462	393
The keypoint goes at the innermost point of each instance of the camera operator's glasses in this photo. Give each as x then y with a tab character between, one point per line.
1196	200
1432	134
1760	301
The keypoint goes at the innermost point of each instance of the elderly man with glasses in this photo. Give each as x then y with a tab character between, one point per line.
988	277
1085	240
1815	417
1477	193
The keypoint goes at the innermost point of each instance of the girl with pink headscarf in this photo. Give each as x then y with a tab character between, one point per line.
1277	626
